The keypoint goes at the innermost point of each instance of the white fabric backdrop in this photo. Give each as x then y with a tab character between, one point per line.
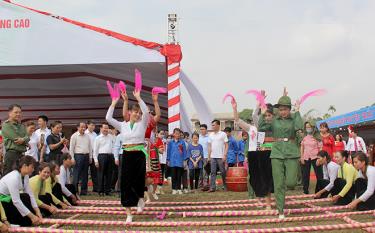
201	107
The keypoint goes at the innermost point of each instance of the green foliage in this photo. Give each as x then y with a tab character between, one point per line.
246	114
332	109
326	116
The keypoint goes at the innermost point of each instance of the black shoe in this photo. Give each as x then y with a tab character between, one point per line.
306	192
108	194
205	189
83	194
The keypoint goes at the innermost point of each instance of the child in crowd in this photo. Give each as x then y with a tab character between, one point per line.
195	162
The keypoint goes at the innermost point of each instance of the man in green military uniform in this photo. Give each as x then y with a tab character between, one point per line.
15	138
285	152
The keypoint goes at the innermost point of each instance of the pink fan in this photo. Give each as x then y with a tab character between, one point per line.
138	80
122	86
259	97
162	215
113	91
116	91
158	90
318	92
227	96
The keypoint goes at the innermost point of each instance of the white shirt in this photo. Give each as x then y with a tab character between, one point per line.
253	138
64	178
46	133
218	141
92	135
205	141
117	147
370	173
113	138
11	184
103	144
330	172
163	156
135	135
253	134
80	144
33	147
361	146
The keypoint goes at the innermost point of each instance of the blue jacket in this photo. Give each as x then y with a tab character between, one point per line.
232	150
176	153
241	150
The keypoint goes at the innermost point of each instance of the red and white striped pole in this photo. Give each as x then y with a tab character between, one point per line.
174	97
173	53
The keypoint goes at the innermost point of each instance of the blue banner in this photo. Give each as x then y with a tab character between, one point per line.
352	118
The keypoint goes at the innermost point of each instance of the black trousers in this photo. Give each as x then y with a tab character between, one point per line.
176	173
133	173
163	173
10	160
321	184
14	217
94	177
360	187
116	174
338	186
57	191
185	179
260	170
46	199
105	172
194	175
306	173
81	171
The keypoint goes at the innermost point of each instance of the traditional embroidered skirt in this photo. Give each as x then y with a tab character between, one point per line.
155	168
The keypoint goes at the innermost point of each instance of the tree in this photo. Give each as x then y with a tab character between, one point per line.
332	109
246	114
326	116
308	114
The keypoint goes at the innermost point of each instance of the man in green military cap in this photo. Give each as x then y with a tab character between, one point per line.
15	138
285	151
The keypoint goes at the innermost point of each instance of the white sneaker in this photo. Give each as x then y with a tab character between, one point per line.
155	196
147	201
141	205
174	192
129	219
281	216
180	192
186	191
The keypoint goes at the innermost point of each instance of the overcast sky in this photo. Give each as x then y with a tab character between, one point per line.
239	45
